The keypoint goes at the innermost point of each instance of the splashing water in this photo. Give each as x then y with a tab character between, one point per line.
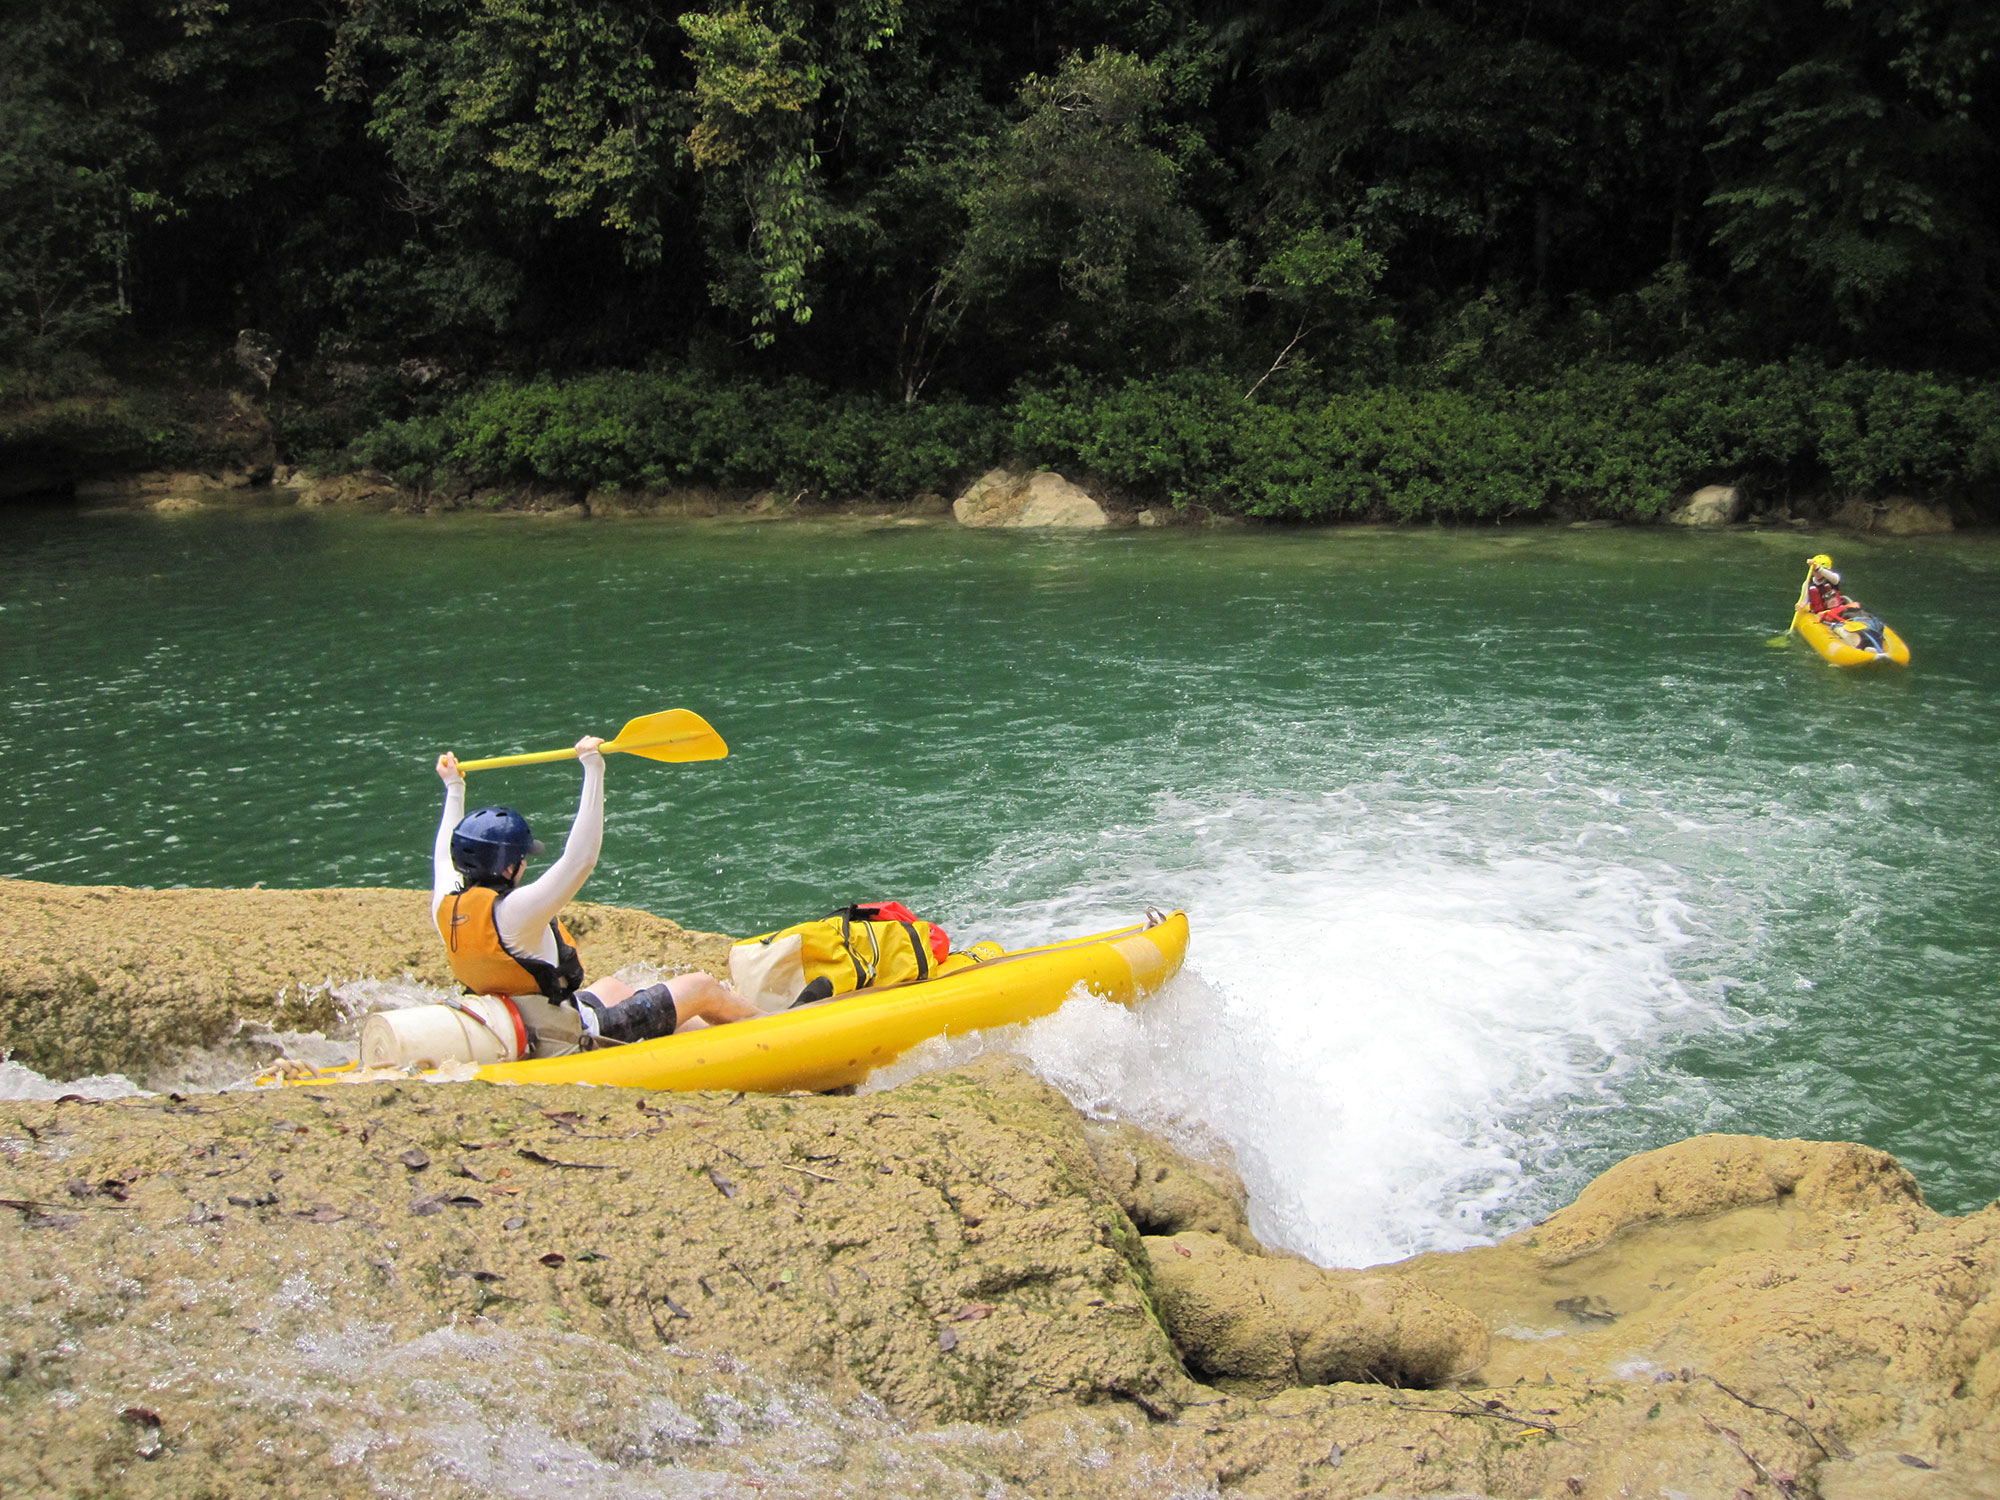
19	1081
236	1061
1384	1025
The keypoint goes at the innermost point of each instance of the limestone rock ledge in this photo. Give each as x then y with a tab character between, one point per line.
1898	515
97	979
463	1290
957	1287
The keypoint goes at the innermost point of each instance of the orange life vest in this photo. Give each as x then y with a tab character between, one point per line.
485	964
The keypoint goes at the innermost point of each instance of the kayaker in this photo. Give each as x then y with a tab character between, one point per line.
1821	595
505	938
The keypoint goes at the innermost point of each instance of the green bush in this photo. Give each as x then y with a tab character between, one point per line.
1602	438
70	416
633	429
1607	439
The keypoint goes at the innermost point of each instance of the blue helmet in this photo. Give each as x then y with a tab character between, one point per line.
488	843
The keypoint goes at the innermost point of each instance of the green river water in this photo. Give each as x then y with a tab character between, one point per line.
1508	852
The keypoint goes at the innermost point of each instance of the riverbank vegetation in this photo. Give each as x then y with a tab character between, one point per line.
1400	258
1605	438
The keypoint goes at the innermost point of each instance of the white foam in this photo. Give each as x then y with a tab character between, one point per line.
1384	1022
19	1081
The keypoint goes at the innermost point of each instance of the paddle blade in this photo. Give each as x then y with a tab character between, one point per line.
676	734
1780	640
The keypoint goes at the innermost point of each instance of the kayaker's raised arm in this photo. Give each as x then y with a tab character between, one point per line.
444	875
531	907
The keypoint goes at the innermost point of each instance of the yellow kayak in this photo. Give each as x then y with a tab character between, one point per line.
1859	639
841	1041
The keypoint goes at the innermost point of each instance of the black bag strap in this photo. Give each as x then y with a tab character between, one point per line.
920	948
861	975
858	911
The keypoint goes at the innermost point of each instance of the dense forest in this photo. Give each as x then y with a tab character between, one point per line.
1204	251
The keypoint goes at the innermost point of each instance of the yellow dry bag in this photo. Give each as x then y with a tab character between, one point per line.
858	947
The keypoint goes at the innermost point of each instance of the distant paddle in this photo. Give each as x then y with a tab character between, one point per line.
675	734
1780	640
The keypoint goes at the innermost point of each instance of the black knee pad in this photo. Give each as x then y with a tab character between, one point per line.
649	1013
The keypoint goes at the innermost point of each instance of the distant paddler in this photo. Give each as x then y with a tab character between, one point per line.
506	940
1838	627
1820	594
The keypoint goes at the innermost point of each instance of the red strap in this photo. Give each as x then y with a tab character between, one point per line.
520	1026
895	911
513	1014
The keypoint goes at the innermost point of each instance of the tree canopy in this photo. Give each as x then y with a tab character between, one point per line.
912	196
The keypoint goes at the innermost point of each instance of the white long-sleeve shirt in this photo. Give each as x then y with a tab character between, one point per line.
524	913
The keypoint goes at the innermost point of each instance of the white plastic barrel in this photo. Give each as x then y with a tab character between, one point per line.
479	1029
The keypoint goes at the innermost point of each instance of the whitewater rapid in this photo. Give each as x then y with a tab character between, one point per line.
1405	1031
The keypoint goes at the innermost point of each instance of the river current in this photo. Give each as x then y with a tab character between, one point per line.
1507	852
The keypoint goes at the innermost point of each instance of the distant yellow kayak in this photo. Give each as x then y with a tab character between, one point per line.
1859	639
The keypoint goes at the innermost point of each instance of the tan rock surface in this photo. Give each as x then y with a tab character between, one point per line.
1899	515
1711	505
155	488
364	488
1262	1323
1163	1191
107	979
461	1290
948	1250
1791	1277
1906	517
1714	1173
1002	497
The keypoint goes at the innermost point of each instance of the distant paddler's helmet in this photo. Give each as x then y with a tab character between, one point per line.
1819	560
488	843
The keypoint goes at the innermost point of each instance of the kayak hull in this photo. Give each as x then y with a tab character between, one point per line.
840	1042
1818	635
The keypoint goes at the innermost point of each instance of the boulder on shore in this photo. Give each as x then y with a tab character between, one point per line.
1003	497
364	487
1899	515
1711	505
153	488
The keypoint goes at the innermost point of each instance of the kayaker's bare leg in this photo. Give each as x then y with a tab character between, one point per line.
611	991
706	998
609	1008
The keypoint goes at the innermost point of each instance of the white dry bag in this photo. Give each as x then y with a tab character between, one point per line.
476	1029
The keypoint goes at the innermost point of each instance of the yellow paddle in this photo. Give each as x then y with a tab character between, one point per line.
1779	640
674	734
